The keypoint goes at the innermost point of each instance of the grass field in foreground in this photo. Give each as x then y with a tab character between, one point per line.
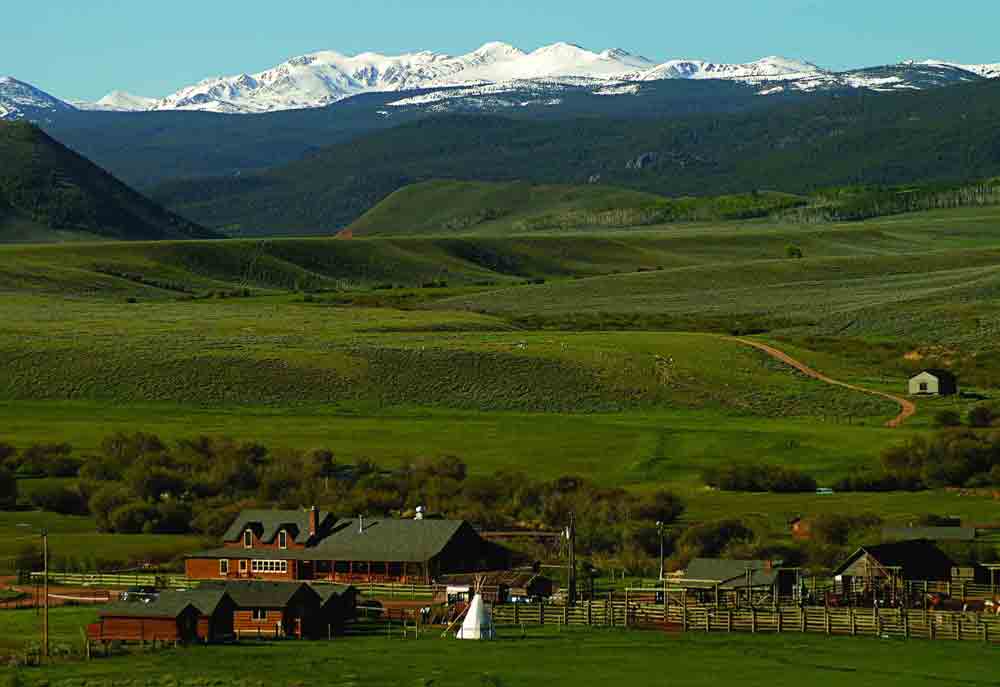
577	657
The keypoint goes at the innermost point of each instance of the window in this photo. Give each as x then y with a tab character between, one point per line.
269	567
282	539
243	565
224	566
259	615
248	540
924	386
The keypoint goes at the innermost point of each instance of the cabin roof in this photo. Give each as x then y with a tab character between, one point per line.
270	522
167	604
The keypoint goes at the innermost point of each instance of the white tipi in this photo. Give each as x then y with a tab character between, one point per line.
478	623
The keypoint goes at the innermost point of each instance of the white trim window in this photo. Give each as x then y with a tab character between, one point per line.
259	615
269	567
282	539
248	539
243	565
223	566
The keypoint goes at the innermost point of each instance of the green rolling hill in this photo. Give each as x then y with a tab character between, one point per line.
48	192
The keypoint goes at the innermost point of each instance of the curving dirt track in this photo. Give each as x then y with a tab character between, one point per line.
907	408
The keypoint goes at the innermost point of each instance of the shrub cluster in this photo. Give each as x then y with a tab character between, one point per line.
139	483
758	478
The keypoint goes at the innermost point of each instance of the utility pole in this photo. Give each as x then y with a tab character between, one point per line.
659	532
45	585
571	538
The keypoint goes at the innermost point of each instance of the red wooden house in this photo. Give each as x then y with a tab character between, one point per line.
311	545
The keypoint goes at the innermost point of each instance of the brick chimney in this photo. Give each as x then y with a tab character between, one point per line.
313	521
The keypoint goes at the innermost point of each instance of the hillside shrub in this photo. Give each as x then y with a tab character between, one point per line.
947	418
980	416
758	478
8	489
836	529
59	499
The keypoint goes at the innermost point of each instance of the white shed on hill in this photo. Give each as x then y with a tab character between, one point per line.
934	383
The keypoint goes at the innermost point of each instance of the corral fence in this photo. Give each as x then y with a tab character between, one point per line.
870	622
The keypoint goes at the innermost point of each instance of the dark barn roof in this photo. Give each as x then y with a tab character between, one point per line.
918	560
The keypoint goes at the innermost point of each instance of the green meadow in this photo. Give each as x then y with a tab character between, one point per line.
541	655
603	354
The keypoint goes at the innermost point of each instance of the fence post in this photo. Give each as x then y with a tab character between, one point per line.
590	612
517	614
753	619
541	613
626	606
906	623
566	614
826	611
779	620
802	619
729	623
854	622
684	617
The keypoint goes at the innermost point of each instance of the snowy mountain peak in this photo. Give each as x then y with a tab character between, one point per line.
21	100
125	102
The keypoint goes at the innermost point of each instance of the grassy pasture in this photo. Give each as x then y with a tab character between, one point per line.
73	540
546	655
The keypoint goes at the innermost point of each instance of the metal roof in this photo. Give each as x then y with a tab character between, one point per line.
918	559
403	541
732	573
168	604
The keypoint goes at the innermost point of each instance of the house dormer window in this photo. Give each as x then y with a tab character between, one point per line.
282	539
248	539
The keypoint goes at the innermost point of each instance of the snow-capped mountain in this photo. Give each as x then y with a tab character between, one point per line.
19	100
322	78
496	74
125	102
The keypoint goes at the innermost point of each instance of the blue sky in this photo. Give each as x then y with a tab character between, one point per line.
81	49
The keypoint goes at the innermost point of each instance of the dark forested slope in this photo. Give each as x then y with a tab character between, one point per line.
46	188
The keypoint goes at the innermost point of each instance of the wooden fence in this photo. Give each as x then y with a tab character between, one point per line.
899	623
115	580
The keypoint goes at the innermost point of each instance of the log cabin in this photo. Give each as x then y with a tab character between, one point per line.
311	545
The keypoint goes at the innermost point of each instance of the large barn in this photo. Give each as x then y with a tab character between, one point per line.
888	565
312	545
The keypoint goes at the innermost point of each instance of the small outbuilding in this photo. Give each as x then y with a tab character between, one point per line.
204	615
275	609
934	383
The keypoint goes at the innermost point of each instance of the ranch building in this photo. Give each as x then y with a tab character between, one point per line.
216	612
204	615
314	546
934	383
738	581
871	569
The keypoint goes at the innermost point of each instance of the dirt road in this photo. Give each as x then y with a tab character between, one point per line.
907	408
